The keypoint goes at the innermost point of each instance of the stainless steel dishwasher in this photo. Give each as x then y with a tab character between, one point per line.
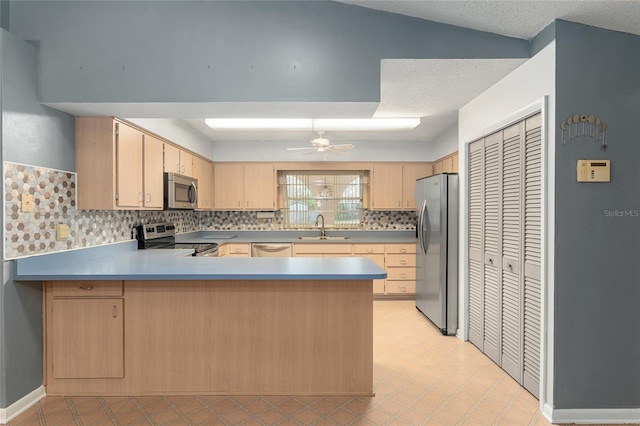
270	250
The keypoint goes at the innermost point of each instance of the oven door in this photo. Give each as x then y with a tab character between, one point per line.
180	192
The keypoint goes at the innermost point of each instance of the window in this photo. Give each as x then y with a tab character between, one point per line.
338	196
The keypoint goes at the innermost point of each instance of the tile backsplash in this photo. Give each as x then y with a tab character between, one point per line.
54	198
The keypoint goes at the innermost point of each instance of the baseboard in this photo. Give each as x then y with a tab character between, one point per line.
21	405
592	415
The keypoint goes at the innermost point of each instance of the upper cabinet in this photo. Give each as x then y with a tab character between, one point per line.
410	173
119	166
177	160
115	166
203	171
244	186
446	164
393	184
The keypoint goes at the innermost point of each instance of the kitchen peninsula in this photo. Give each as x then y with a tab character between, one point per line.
122	321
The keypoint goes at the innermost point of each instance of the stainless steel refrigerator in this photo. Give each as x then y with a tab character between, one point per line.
437	251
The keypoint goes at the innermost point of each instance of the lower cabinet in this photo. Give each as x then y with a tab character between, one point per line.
85	330
235	250
398	260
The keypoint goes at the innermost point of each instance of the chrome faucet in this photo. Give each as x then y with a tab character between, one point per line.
323	233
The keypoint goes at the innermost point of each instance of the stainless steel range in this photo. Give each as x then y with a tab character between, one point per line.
163	236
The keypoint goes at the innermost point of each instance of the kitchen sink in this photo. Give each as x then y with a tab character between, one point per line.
323	238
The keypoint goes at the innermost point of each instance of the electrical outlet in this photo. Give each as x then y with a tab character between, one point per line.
62	232
26	203
384	220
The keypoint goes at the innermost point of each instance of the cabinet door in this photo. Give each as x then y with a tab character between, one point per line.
171	158
438	167
87	338
129	167
203	171
259	186
153	196
454	163
186	163
228	186
386	187
410	173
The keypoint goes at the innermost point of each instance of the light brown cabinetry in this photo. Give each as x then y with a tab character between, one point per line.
237	250
386	186
401	269
393	185
240	186
321	250
153	190
203	171
446	164
85	330
119	167
177	160
410	173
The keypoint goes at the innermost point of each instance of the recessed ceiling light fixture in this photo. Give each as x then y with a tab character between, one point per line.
260	123
317	124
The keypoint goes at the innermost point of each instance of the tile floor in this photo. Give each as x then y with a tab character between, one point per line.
420	378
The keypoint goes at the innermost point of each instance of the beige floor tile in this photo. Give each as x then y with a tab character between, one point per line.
376	416
190	405
342	416
155	405
236	416
135	417
480	416
165	416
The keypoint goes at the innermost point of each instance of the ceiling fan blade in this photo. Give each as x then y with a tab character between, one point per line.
311	151
298	149
343	147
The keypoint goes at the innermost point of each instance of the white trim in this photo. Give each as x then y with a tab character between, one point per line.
21	405
592	415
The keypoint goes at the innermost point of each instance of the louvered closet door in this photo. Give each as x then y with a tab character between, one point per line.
511	307
476	244
492	245
532	254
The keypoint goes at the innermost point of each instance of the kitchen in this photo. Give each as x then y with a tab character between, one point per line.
32	145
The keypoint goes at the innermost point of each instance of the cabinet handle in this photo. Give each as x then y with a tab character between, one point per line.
114	311
148	197
182	169
403	275
140	196
403	262
86	287
403	250
178	167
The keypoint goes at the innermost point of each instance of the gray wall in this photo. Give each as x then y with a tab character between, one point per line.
597	291
31	134
172	51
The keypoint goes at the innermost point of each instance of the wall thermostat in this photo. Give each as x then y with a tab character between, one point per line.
594	171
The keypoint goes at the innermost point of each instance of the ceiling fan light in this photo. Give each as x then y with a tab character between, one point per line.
364	124
260	123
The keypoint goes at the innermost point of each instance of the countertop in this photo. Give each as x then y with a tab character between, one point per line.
124	261
287	236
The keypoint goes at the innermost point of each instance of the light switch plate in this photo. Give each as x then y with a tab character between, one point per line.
26	203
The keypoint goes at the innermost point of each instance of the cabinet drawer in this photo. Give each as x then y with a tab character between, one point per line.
400	287
400	260
238	249
322	248
368	249
400	248
85	288
399	274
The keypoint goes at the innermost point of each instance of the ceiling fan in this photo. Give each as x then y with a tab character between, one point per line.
323	145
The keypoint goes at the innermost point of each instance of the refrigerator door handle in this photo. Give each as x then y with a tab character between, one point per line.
423	210
427	222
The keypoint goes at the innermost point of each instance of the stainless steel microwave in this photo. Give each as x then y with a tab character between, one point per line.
180	192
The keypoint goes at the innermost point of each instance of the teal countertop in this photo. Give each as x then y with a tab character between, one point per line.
125	262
